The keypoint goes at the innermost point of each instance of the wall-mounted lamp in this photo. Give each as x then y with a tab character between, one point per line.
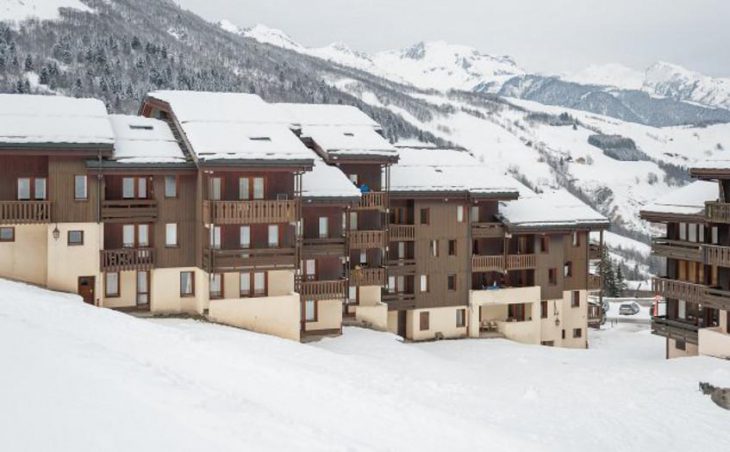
56	233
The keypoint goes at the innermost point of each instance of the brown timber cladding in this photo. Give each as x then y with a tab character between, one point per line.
67	209
365	240
560	252
717	212
181	211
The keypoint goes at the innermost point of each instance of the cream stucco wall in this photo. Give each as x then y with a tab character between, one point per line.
26	258
376	316
492	305
66	263
674	352
442	322
127	291
165	292
329	316
569	318
278	316
370	295
393	322
281	282
714	342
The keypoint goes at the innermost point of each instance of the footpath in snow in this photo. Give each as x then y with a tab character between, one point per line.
79	378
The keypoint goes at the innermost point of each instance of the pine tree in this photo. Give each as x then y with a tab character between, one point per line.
605	269
620	283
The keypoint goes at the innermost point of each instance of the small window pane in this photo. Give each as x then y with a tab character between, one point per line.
128	187
142	188
144	235
245	280
75	238
170	186
273	236
215	188
7	234
243	188
245	239
460	214
128	236
323	227
258	188
310	311
40	188
186	283
424	283
259	283
171	234
353	221
216	285
23	188
112	284
80	191
460	318
215	237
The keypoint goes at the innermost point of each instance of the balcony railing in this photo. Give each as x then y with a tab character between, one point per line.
324	247
594	252
373	201
521	261
136	210
717	298
717	212
25	212
674	329
402	232
399	301
255	258
127	259
250	212
717	255
677	249
397	267
487	230
594	282
487	263
368	276
670	288
323	290
364	240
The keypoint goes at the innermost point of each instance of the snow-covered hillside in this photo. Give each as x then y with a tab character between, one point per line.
611	74
17	10
671	80
79	378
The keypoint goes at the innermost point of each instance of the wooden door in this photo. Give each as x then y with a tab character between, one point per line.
402	324
86	288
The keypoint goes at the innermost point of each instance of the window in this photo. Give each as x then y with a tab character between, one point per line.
215	237
128	236
548	343
474	214
245	237
111	285
310	269
143	235
75	238
258	188
424	321
353	178
171	234
460	214
575	299
577	333
143	288
679	344
544	244
352	295
259	284
424	283
692	232
128	187
516	312
244	193
170	187
451	282
568	269
273	236
391	284
245	286
401	250
81	192
40	188
215	188
216	286
425	216
460	318
715	237
576	238
23	188
563	334
353	221
310	311
363	257
187	284
323	227
553	277
452	247
135	235
434	248
7	234
682	231
543	309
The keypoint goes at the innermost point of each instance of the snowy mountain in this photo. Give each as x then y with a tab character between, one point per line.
612	74
17	10
671	80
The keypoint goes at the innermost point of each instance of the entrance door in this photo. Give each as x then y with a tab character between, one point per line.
402	324
86	288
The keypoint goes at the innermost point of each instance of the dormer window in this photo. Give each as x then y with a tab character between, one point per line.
260	139
139	127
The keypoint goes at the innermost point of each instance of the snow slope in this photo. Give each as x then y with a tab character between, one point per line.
611	74
79	378
18	10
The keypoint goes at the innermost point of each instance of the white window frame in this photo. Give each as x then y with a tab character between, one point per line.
273	238
170	186
460	214
258	188
324	227
84	188
244	237
310	311
171	235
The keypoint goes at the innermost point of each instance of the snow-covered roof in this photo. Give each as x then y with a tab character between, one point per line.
327	181
326	115
712	164
235	126
556	209
447	170
349	140
43	120
144	140
688	200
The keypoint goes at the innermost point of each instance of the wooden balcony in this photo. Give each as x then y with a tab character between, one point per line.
375	200
323	290
487	230
717	255
594	283
670	288
127	259
250	212
324	247
594	252
398	267
368	276
365	240
487	264
677	249
674	329
399	301
255	258
521	261
402	232
129	210
25	212
717	212
717	298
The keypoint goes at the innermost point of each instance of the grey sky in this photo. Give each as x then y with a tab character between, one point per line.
542	35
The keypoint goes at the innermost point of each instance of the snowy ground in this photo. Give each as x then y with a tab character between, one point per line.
79	378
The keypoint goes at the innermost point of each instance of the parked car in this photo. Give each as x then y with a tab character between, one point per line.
629	308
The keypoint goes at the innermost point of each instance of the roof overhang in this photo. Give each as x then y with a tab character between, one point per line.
294	165
710	173
334	201
107	166
58	149
554	227
666	217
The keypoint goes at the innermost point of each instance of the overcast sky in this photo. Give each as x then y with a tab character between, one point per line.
542	35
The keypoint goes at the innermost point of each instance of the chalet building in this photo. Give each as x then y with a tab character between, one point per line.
468	258
695	243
